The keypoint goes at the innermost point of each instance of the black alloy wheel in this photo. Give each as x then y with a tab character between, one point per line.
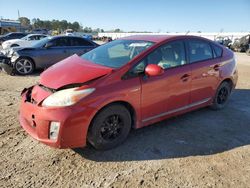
110	127
222	96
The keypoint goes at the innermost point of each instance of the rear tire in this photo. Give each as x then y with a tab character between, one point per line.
110	127
221	97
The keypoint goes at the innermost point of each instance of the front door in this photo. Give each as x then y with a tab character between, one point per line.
55	53
170	92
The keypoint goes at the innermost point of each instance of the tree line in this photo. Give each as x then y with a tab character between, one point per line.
59	25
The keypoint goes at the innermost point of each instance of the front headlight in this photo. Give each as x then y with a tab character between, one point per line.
4	52
66	97
11	52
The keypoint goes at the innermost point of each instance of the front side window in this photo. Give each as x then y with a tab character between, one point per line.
199	51
167	56
117	53
170	55
63	41
33	37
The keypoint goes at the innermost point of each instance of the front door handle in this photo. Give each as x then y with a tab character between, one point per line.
185	77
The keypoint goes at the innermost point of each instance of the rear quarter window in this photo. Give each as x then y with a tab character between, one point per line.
217	51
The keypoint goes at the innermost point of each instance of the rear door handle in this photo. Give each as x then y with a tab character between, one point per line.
216	67
185	77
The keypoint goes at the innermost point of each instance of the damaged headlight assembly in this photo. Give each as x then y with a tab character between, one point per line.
66	97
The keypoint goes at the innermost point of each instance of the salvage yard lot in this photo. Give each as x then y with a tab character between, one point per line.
203	148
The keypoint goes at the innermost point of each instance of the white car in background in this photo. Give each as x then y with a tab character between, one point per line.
69	32
26	41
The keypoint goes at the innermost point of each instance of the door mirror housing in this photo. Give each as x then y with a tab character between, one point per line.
48	45
153	70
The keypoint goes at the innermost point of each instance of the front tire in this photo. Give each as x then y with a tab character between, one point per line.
221	97
248	52
110	127
24	66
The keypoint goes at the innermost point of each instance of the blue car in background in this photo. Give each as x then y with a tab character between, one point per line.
47	52
86	36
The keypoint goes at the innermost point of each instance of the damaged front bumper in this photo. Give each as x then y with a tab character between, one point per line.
38	121
6	65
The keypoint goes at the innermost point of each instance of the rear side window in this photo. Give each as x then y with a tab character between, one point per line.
217	51
199	51
80	42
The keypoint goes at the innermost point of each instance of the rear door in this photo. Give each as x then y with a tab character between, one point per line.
205	70
79	46
168	93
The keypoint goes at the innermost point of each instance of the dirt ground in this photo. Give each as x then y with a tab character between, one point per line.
204	148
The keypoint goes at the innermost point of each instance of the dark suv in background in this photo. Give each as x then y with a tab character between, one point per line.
242	45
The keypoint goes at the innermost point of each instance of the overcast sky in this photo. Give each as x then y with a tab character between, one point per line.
138	15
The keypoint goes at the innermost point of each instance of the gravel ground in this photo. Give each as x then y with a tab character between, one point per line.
203	148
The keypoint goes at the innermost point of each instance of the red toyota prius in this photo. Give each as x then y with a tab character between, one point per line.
128	83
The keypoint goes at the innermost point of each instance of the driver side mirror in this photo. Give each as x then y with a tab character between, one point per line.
48	45
153	70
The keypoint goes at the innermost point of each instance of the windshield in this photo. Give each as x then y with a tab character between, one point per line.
26	37
41	42
117	53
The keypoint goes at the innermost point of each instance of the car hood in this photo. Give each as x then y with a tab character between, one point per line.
10	51
72	70
11	41
23	48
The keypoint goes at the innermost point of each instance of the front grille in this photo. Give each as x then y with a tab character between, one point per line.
28	95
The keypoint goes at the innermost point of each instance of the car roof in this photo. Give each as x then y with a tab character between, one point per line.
65	36
33	34
159	38
15	33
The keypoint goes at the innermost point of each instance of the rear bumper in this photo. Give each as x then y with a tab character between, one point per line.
74	122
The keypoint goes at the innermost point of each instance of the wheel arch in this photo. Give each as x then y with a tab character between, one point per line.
126	104
14	45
